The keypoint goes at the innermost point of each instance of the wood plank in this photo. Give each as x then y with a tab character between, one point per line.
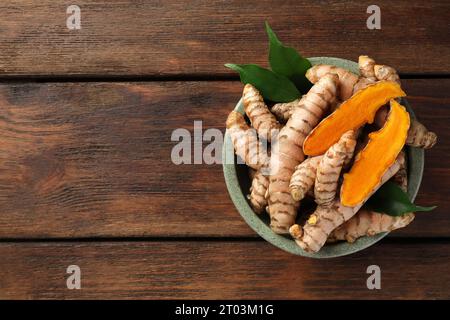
172	37
93	160
219	270
435	187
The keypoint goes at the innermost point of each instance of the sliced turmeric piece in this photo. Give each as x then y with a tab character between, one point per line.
375	159
352	114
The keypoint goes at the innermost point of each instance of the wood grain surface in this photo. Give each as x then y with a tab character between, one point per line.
174	37
86	176
94	160
219	270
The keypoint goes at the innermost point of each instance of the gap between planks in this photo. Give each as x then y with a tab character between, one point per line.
388	240
162	78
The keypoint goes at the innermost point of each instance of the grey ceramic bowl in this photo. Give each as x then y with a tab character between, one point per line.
238	183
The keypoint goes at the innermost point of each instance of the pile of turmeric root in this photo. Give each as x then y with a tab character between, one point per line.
317	148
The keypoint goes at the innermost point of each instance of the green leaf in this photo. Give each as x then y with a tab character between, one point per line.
392	200
272	86
288	62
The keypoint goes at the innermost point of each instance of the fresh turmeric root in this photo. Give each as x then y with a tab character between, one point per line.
251	173
369	223
418	135
296	232
257	196
383	72
283	111
245	142
349	82
401	177
366	68
376	72
330	168
303	178
287	151
326	219
260	117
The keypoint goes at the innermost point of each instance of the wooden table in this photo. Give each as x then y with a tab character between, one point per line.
86	177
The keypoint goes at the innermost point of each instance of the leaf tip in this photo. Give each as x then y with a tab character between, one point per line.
272	36
425	209
232	66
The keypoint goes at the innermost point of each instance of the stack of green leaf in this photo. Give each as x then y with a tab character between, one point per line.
286	81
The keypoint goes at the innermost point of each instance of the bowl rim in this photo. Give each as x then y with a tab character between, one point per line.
415	157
